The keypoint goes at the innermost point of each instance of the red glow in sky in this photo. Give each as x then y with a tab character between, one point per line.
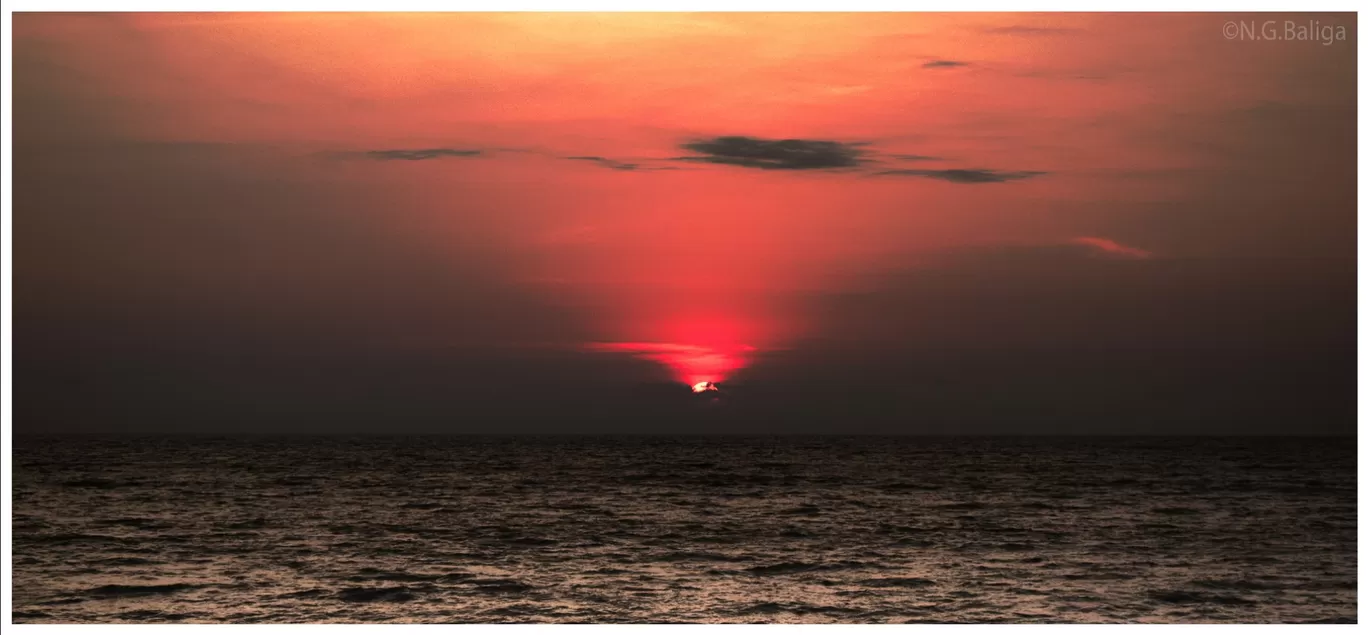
575	157
691	364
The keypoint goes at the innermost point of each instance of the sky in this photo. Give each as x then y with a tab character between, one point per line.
557	223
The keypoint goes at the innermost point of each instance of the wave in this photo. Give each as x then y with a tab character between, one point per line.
698	556
399	576
498	585
786	568
1189	597
99	483
148	615
376	594
133	590
907	583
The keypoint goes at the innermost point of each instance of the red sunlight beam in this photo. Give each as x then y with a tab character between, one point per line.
691	364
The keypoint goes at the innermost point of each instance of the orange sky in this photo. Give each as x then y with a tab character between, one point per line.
1129	135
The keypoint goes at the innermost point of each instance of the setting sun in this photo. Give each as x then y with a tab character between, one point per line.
367	316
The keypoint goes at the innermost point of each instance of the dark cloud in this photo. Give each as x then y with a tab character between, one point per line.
964	175
420	154
944	64
805	154
784	154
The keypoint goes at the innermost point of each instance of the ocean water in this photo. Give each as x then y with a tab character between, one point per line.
677	529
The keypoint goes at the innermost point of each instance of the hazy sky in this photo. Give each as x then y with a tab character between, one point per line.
551	223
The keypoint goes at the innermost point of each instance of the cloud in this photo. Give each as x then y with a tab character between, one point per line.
766	154
1055	254
958	175
607	163
420	154
622	166
944	64
743	151
1022	29
1109	248
649	348
807	154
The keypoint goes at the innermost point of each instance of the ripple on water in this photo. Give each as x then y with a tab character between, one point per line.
601	529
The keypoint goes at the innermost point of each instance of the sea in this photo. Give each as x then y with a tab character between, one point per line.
655	529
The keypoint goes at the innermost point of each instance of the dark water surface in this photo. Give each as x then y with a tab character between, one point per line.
655	529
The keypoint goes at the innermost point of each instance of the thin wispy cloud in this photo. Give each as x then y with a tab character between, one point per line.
745	152
621	166
424	154
1110	248
957	175
406	154
1026	29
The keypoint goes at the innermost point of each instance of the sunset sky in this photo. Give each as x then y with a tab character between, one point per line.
546	222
